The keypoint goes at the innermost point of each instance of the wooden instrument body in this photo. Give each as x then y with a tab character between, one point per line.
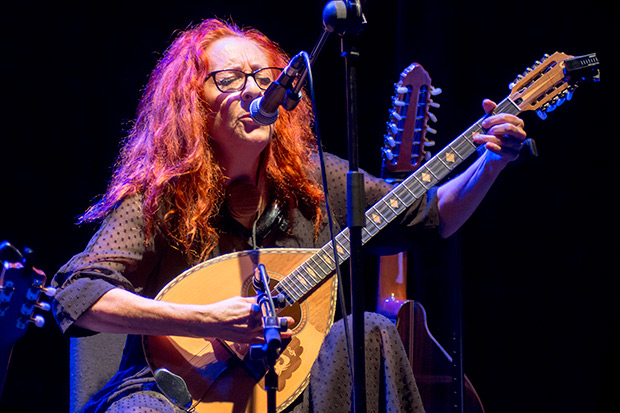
219	375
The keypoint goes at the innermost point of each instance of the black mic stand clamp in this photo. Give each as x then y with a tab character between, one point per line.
269	351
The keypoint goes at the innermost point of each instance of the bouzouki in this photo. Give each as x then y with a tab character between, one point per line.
403	152
219	374
442	385
22	288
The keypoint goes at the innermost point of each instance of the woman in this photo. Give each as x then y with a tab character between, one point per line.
194	178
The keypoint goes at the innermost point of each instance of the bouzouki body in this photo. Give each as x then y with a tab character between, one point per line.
219	374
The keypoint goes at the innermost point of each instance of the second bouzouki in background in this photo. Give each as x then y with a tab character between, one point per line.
403	152
442	385
217	373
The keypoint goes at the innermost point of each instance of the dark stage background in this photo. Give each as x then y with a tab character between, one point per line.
538	259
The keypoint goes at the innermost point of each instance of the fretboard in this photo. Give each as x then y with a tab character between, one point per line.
322	264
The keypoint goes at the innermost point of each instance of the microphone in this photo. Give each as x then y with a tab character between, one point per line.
264	109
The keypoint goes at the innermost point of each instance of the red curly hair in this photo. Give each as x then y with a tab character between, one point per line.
167	157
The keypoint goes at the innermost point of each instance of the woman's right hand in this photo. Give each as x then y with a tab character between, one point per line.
237	319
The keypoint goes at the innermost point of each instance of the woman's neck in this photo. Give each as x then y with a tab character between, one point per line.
245	187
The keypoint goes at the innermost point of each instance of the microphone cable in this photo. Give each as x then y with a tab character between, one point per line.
328	211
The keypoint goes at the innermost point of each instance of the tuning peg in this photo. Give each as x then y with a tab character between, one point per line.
393	128
401	90
432	117
434	104
561	99
435	91
399	103
388	154
49	291
427	155
397	115
431	130
38	321
541	114
44	306
389	141
514	82
428	144
553	104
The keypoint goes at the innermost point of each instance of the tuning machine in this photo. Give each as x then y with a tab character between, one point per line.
434	91
527	71
557	101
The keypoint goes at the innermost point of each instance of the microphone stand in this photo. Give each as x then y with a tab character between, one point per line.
270	350
346	18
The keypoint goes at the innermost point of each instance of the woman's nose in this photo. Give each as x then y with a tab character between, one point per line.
251	90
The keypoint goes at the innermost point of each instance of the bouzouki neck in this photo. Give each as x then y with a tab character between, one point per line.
541	88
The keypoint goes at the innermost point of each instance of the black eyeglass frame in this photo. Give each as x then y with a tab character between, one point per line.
245	80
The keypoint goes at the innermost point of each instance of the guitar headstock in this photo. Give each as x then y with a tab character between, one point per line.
552	80
405	140
22	288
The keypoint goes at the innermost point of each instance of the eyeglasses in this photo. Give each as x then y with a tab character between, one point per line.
231	80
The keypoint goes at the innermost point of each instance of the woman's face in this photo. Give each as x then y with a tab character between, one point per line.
232	130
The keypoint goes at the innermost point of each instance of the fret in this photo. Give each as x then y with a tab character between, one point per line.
392	207
464	146
320	265
326	256
405	186
303	282
454	152
343	250
395	194
294	296
376	217
447	166
437	170
366	233
383	208
287	295
291	288
295	285
415	175
430	166
286	284
312	272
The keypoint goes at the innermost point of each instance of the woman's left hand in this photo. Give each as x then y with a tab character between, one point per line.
505	134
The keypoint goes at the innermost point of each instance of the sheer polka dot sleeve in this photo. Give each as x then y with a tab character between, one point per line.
417	222
114	258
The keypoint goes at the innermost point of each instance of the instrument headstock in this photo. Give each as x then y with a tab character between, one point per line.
552	80
22	288
405	139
